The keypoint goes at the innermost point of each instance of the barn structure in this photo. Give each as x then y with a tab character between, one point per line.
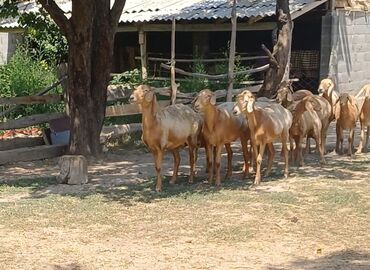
329	37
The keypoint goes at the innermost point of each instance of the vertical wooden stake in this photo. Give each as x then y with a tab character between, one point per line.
143	54
62	71
173	77
232	54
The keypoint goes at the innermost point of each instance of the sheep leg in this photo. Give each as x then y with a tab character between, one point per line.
208	161
176	164
259	156
339	138
270	158
362	138
308	145
158	157
297	150
192	160
209	150
319	148
367	139
350	141
217	164
284	140
229	160
245	156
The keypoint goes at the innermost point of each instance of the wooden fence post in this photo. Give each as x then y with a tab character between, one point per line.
143	54
173	43
232	54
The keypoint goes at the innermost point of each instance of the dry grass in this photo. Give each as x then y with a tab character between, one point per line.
316	219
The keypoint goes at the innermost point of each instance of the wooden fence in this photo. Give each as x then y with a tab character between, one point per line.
35	148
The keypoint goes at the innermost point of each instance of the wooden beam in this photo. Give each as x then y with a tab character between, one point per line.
173	73
215	77
30	120
199	27
19	142
44	91
307	8
32	153
168	60
143	54
31	99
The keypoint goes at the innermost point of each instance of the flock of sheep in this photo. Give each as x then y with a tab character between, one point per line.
291	116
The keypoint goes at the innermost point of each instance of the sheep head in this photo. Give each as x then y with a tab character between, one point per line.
142	95
284	94
245	101
345	98
326	87
204	100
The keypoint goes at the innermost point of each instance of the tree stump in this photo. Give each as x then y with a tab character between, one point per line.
73	170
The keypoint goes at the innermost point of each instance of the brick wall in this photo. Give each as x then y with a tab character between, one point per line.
348	61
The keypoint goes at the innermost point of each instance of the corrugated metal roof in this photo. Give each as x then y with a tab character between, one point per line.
164	10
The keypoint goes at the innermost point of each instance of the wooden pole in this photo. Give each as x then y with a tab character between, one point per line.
173	73
232	53
287	68
143	54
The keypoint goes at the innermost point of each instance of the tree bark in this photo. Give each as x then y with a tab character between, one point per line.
90	35
275	73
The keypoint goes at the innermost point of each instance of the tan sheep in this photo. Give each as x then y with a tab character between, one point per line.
169	129
364	118
326	90
221	127
266	125
306	122
346	115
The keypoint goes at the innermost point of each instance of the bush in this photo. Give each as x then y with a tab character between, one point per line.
26	75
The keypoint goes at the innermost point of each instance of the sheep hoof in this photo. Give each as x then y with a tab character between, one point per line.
228	176
286	175
158	189
323	161
358	152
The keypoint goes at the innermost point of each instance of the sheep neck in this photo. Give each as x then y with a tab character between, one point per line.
252	118
209	117
149	115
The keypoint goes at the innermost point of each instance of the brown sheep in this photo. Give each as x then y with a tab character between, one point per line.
364	118
220	127
306	122
346	115
266	125
169	129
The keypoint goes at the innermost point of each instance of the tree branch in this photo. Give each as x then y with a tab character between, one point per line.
272	59
116	12
57	14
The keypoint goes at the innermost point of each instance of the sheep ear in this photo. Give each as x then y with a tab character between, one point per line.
352	100
289	97
331	87
149	96
316	105
212	99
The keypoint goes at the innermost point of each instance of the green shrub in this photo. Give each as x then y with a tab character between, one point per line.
26	75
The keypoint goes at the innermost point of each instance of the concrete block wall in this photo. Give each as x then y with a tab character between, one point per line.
348	61
8	44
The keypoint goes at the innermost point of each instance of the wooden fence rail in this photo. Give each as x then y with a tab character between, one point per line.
167	60
31	100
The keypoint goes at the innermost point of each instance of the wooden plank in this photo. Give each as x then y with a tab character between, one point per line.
131	109
216	77
20	142
30	120
307	8
32	153
47	89
31	99
199	27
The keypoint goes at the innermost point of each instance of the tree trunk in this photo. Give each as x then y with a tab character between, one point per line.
90	35
275	73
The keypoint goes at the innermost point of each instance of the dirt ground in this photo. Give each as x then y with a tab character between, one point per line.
318	218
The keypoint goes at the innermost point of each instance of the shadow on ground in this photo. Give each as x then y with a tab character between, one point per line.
346	259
